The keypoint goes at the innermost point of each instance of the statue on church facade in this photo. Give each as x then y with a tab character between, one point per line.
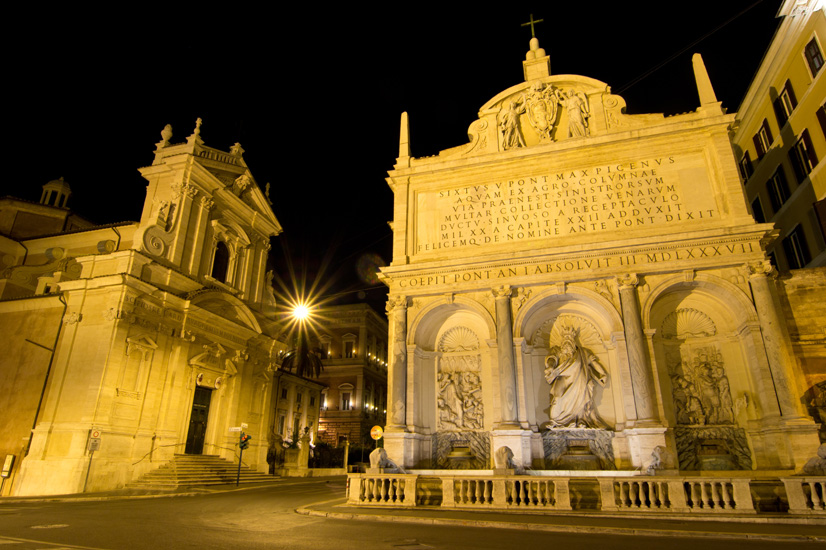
573	373
509	124
576	105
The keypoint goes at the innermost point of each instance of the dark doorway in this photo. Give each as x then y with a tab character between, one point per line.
198	421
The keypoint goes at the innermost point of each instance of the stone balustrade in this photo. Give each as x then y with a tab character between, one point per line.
677	495
383	489
693	495
505	492
807	495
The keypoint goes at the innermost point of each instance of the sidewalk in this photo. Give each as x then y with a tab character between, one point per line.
768	527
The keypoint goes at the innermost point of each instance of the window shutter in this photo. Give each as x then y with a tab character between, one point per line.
790	91
758	145
768	130
809	148
821	116
779	112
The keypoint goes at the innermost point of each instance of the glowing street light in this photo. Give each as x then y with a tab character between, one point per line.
301	312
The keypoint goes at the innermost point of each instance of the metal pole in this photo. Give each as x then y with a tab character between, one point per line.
346	453
85	481
238	477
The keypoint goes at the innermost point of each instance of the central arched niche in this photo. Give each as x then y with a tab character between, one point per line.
539	323
595	323
453	390
703	372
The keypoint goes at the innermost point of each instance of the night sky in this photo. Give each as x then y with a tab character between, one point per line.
315	95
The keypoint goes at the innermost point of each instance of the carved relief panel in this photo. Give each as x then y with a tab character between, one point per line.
705	410
459	383
700	385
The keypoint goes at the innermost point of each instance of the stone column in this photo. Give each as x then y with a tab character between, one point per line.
504	346
774	337
183	194
195	261
635	343
397	371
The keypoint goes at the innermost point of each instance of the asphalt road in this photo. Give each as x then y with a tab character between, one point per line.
265	518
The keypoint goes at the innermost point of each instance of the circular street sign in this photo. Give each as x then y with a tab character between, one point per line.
376	432
95	433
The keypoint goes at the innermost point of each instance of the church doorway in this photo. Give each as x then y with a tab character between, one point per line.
198	421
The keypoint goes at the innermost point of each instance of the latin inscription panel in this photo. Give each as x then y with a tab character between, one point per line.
648	194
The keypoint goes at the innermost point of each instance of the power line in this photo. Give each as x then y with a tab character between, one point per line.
682	51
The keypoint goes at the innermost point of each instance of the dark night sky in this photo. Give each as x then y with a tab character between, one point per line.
314	96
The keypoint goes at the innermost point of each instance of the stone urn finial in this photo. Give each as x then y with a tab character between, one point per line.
166	135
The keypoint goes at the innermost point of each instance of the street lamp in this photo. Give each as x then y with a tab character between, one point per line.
301	312
302	359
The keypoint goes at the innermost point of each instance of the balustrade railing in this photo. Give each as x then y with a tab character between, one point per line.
672	494
807	495
383	489
502	492
658	494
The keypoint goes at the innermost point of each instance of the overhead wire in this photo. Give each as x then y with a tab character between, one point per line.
654	69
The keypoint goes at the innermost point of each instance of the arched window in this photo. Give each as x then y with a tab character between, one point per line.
220	263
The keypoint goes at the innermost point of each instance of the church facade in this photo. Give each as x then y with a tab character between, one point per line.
153	338
579	281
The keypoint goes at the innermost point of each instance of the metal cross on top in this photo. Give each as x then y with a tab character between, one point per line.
533	22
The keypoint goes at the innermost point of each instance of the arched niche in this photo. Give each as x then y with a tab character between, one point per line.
598	326
451	358
702	332
438	316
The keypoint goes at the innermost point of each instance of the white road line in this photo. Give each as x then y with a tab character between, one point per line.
49	545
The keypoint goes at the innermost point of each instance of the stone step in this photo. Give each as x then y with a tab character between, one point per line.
195	470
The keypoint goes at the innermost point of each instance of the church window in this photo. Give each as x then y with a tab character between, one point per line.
297	428
802	155
298	398
282	419
220	262
325	345
746	168
312	401
763	139
814	56
757	211
778	189
796	249
349	349
346	397
785	104
283	393
821	117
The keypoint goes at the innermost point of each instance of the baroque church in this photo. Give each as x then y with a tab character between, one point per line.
153	338
585	289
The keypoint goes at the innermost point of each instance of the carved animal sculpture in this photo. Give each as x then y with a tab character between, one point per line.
816	466
660	459
503	458
379	459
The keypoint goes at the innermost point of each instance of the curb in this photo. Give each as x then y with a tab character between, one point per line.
67	498
555	528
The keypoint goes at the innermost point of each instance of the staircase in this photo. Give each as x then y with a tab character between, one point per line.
193	470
